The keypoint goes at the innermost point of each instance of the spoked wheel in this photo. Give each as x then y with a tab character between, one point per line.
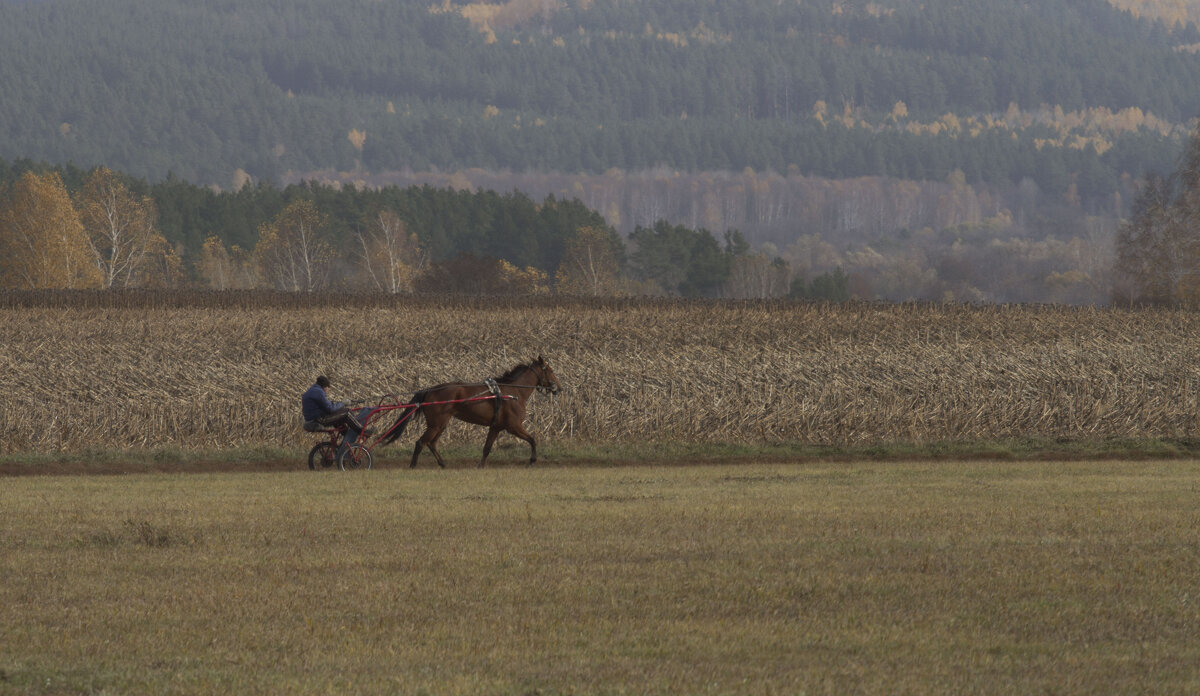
321	456
356	457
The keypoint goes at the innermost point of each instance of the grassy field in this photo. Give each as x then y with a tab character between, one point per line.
898	578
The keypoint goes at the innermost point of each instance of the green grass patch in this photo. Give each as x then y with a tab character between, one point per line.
944	576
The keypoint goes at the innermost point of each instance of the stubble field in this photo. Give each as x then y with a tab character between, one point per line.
198	373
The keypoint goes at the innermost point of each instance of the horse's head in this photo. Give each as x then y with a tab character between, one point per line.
547	381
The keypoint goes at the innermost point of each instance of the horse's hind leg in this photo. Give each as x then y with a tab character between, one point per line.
487	445
436	454
433	430
417	452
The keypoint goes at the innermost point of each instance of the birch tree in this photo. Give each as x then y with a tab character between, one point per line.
225	269
391	255
590	264
119	227
291	253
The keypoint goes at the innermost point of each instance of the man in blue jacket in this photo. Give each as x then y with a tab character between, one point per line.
319	412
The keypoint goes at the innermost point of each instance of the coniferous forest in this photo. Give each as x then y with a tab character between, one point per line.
911	149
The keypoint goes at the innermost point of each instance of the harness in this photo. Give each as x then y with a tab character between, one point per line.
494	388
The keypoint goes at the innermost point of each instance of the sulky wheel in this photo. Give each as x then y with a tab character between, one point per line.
356	457
321	456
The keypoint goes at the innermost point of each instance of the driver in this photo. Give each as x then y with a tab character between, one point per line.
319	412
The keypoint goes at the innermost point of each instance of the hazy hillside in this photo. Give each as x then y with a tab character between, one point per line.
931	149
1062	91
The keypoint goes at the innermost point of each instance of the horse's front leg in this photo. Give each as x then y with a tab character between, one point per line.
487	445
520	431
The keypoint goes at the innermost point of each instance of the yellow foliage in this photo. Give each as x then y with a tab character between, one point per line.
526	281
225	270
485	16
1172	12
357	138
673	39
42	241
161	265
702	34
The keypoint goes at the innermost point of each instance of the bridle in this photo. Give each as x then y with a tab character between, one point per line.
542	385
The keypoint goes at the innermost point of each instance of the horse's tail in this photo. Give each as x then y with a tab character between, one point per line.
403	419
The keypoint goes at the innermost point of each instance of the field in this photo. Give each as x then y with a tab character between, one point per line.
86	374
701	520
900	578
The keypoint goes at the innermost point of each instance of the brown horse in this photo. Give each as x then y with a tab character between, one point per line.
503	411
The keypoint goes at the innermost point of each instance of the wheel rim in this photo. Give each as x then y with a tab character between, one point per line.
355	457
321	456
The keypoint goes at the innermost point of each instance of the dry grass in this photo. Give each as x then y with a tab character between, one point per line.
963	578
87	377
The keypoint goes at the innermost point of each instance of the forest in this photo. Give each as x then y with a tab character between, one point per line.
911	90
946	149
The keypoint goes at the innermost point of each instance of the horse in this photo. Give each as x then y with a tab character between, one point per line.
504	412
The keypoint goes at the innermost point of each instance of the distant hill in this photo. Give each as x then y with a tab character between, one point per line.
1173	12
1066	93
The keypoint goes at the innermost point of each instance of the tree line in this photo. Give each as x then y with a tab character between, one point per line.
74	229
890	240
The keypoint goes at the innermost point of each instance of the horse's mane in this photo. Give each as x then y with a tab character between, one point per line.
512	374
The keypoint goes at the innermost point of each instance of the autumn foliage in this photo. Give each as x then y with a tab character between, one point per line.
105	238
43	243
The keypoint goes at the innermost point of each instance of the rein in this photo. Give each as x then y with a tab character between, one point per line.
529	368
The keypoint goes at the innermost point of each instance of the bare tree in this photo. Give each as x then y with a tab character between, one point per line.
757	277
1158	249
391	256
291	253
590	263
119	226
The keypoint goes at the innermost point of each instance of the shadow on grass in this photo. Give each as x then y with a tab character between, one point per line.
261	459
